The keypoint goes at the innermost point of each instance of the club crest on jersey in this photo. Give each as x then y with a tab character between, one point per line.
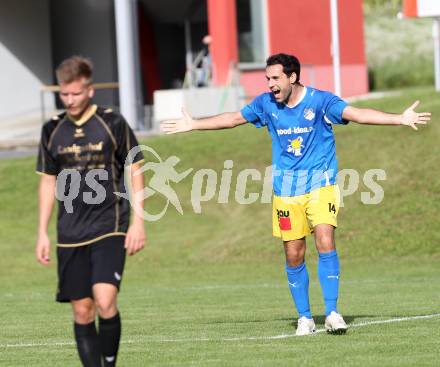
79	133
295	146
309	114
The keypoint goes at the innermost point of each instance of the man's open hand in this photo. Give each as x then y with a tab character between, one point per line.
186	123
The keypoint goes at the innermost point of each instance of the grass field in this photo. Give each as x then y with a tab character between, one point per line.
210	290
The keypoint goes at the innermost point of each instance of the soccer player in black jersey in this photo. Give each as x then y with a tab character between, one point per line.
82	159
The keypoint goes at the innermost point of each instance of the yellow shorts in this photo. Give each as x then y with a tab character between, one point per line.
295	217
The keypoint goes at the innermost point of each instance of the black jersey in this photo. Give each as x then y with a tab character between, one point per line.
101	140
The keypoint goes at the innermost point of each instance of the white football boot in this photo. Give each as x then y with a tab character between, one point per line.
335	324
305	326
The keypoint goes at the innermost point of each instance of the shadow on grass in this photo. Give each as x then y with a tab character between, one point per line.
319	320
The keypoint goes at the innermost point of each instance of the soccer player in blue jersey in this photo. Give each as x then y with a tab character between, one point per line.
299	120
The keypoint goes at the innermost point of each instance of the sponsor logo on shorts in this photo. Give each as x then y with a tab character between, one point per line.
117	276
284	220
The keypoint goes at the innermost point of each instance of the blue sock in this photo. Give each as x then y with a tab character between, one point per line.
328	273
298	279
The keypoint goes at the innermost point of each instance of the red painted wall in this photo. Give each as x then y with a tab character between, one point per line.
410	8
303	28
222	24
148	55
351	31
354	79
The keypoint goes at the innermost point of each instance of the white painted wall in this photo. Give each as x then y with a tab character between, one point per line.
19	88
199	102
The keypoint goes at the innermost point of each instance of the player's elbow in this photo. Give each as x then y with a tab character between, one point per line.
47	180
355	115
237	119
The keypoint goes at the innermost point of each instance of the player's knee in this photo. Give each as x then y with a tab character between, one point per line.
325	243
295	252
106	307
84	313
295	261
295	257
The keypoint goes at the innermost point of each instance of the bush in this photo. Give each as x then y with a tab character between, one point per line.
399	51
382	7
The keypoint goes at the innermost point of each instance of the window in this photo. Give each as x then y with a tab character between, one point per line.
252	32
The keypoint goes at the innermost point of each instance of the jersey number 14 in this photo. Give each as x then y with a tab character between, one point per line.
331	208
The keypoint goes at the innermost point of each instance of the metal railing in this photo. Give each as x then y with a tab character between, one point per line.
55	89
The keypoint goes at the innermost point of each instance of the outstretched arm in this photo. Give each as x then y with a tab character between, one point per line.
368	116
225	120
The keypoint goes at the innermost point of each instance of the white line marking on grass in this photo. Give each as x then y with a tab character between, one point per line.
30	345
350	326
275	337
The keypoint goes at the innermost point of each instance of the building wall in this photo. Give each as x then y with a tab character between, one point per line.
303	28
25	56
87	28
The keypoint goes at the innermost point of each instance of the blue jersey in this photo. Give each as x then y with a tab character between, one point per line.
303	145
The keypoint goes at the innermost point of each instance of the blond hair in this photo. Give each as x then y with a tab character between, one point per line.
74	68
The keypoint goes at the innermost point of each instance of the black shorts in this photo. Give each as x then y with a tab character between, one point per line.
79	268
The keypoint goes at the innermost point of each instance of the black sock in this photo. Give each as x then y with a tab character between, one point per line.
87	343
109	336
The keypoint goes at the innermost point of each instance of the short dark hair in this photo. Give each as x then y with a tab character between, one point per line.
74	68
290	64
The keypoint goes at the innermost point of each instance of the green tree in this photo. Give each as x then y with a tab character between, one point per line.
382	7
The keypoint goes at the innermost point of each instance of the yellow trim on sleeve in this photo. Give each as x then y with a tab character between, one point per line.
52	135
104	125
44	173
137	162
